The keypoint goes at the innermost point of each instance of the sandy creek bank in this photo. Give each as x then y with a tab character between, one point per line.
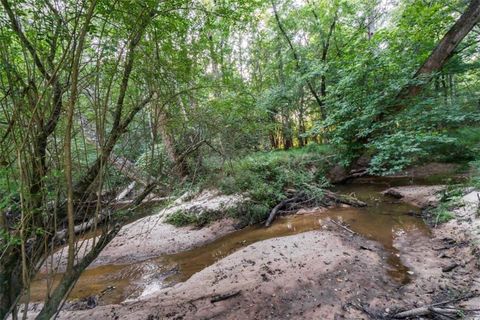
325	273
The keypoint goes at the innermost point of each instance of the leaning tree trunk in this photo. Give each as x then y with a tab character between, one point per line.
437	59
122	164
445	48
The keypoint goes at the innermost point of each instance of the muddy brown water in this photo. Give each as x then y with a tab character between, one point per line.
383	220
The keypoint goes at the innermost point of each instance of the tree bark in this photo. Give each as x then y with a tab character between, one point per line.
119	126
51	305
68	136
169	144
445	48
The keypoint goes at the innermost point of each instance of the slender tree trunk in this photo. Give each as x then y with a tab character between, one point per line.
302	140
296	58
122	164
51	305
68	136
118	126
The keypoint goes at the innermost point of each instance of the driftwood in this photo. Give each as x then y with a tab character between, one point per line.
424	311
226	296
328	199
150	200
125	191
85	226
332	198
342	226
435	309
144	197
280	206
354	174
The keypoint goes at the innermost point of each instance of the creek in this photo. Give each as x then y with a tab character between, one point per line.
383	220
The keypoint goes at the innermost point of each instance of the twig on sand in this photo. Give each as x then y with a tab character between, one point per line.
342	226
226	296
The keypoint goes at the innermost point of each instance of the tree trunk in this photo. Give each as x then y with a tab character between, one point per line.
122	164
445	48
118	126
51	305
180	166
296	58
439	56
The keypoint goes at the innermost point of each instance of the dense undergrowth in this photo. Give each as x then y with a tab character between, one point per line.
265	178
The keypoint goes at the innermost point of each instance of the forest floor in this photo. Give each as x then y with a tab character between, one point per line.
329	273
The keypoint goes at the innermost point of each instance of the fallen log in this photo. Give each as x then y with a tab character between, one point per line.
354	174
85	226
126	191
150	200
328	199
280	206
105	213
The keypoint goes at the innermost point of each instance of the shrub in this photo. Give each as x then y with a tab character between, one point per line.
266	176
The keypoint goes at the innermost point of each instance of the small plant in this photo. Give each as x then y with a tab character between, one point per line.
450	199
181	218
443	214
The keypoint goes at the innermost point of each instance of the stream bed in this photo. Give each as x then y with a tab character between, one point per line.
383	220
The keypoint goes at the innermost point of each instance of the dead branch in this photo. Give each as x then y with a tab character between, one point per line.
125	191
328	199
434	308
424	311
226	296
334	198
354	174
280	206
87	225
342	226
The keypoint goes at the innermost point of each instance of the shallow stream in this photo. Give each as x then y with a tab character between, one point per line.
383	220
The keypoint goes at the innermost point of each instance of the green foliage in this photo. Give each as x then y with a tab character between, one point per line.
154	162
443	213
265	177
397	151
7	240
182	218
450	199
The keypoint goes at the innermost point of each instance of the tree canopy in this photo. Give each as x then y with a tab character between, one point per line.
97	93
